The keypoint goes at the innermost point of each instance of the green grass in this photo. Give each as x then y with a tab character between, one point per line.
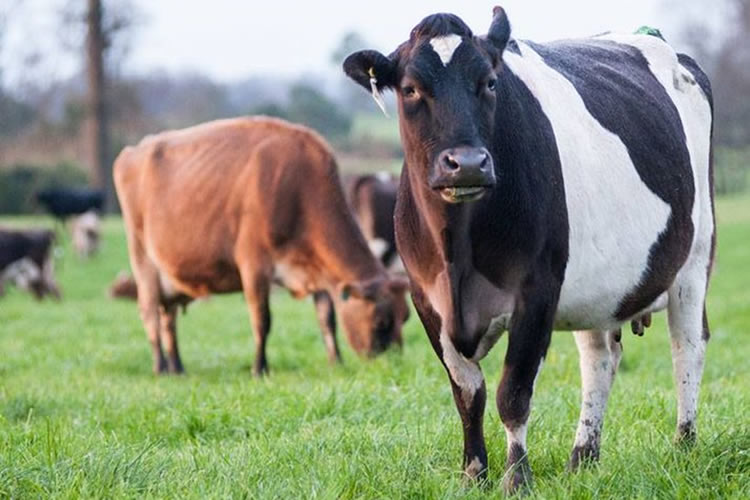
81	415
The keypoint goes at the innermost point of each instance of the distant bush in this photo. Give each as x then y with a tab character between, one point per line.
19	183
731	168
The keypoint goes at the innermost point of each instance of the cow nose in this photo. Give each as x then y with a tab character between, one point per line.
462	173
456	159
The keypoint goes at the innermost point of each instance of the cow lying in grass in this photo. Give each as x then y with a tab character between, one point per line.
235	204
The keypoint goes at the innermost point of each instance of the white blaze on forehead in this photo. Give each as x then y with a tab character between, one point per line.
445	46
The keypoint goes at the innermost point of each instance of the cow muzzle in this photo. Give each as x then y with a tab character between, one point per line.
463	174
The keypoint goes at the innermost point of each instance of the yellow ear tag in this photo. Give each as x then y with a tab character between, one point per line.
376	95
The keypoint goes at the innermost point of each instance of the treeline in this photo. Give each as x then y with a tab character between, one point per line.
44	130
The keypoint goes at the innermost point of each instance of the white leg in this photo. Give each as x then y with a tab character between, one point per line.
689	334
599	356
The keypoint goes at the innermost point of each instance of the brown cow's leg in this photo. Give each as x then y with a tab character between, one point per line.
146	276
169	338
148	305
327	320
530	333
257	289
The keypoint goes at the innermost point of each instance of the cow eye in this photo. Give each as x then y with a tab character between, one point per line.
409	92
491	84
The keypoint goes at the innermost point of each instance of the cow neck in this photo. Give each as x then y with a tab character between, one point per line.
343	252
447	228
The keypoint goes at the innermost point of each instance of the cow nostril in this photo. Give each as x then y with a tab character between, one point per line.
451	163
483	162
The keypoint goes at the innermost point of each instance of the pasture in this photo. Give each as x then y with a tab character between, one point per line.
81	414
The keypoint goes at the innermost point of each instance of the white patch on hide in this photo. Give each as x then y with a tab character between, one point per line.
464	372
614	217
445	46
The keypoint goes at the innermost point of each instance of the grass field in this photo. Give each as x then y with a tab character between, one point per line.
81	415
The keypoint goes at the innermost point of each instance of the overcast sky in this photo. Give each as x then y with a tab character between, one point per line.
234	39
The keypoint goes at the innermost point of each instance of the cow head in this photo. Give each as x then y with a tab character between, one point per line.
372	313
444	78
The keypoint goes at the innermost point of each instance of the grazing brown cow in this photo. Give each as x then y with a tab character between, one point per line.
234	204
26	259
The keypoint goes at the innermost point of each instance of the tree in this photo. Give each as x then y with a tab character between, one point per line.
104	44
98	129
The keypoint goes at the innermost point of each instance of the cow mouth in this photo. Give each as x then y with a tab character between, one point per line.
462	194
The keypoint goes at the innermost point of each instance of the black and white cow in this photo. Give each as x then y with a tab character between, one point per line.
563	185
26	260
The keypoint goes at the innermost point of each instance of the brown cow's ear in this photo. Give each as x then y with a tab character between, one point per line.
365	65
364	290
499	32
355	289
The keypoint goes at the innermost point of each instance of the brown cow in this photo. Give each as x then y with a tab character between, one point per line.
232	205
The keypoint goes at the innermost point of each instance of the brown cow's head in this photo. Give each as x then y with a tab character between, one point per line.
445	79
373	314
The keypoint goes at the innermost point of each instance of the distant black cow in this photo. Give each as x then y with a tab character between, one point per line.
64	202
26	260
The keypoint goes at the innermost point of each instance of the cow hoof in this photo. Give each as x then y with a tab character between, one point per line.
517	477
583	456
260	371
685	435
176	370
475	471
160	367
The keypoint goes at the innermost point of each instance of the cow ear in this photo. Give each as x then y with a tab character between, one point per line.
499	32
354	289
365	65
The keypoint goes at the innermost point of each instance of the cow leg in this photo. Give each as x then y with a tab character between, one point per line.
467	383
688	329
470	400
257	287
168	333
327	320
530	334
599	355
470	395
148	305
